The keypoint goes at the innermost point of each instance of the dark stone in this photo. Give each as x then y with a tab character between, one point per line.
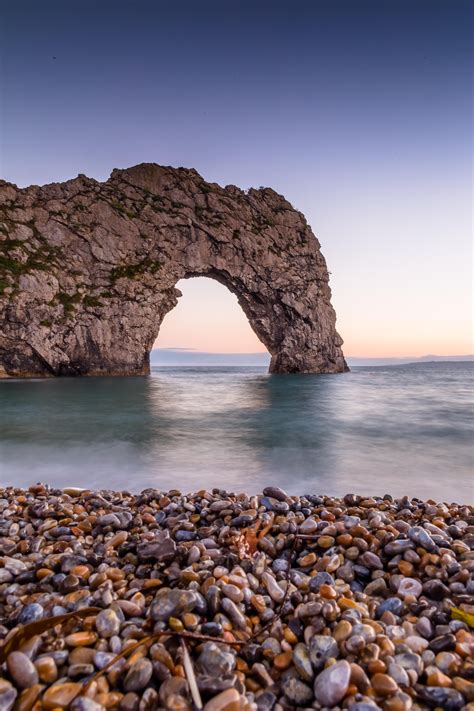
443	643
172	603
392	604
276	493
422	538
243	520
209	684
252	653
213	629
272	504
31	613
185	535
160	671
215	660
297	692
400	545
280	565
162	549
266	701
320	579
435	590
440	697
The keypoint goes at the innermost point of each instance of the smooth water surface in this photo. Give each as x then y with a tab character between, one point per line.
399	430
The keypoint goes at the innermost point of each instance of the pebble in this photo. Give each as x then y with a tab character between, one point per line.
321	578
276	493
309	526
391	604
302	662
215	660
331	684
138	675
7	698
47	669
443	643
231	609
321	648
228	700
410	586
384	685
297	692
83	703
107	623
446	699
81	639
31	613
162	549
60	695
356	615
171	603
22	671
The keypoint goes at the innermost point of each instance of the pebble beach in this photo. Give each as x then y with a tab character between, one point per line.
229	602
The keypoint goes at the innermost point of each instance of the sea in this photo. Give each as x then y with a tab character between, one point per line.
405	430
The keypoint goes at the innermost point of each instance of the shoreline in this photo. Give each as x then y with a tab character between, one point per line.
255	602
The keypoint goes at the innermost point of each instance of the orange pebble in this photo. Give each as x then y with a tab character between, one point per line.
43	573
327	592
377	666
405	568
437	678
81	639
283	660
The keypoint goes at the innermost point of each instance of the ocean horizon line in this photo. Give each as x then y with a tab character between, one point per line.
160	357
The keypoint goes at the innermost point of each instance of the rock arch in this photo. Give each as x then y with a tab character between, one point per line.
88	271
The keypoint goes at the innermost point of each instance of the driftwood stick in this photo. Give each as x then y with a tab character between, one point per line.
191	677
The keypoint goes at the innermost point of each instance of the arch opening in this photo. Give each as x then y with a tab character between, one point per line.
207	321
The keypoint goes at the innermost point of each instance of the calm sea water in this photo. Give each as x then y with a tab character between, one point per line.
399	430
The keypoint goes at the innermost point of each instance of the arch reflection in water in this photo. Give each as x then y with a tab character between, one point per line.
244	427
401	430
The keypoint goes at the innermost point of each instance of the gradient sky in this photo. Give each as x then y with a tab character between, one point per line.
359	112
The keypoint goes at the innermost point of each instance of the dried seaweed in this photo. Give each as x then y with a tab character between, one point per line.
26	632
458	614
252	535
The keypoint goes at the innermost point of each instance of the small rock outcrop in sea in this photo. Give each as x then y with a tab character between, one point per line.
256	610
88	271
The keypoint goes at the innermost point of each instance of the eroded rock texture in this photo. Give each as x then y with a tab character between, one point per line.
88	271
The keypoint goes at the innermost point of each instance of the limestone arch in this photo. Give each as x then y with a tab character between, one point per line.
91	271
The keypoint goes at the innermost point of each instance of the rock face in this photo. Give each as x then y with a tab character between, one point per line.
88	271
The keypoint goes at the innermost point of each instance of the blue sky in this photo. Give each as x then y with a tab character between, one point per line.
359	112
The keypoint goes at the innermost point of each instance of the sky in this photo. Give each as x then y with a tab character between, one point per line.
360	113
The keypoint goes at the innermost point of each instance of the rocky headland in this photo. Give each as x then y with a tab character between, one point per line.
110	600
88	271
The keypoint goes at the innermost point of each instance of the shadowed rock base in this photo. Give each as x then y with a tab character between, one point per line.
88	271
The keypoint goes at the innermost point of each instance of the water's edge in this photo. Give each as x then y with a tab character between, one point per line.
399	430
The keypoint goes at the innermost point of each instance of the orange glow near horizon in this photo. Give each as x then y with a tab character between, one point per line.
209	318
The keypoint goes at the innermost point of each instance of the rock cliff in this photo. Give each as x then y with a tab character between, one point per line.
88	271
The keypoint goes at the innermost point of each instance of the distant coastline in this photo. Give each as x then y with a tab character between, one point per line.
184	356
